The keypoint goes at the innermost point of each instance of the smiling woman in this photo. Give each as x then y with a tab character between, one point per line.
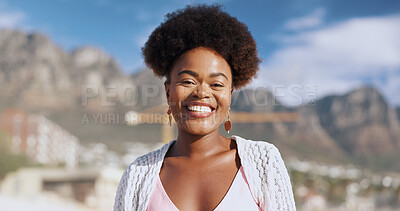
204	53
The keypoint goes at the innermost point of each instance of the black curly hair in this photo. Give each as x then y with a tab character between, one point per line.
203	26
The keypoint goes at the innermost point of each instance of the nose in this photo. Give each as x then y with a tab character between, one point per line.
202	91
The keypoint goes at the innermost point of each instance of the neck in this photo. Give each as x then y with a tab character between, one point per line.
200	146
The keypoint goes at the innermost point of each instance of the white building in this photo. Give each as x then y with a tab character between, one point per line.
40	139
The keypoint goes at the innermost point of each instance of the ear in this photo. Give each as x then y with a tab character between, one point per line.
231	91
167	88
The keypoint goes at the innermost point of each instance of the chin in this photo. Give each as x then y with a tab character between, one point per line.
200	129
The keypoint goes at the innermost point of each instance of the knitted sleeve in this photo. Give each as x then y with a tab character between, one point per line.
278	179
136	183
134	187
120	196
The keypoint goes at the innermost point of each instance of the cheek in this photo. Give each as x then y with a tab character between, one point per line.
178	94
224	99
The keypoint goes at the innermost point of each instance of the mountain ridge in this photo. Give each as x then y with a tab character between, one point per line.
361	121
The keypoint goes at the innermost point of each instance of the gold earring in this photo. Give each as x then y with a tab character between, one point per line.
228	123
169	115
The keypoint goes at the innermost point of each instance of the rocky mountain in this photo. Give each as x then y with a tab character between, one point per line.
306	136
36	73
150	90
32	69
258	100
361	122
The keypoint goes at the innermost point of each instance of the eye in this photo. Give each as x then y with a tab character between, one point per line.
217	85
187	82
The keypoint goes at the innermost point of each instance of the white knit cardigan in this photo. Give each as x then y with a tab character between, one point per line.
261	161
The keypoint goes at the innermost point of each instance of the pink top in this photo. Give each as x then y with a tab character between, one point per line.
238	197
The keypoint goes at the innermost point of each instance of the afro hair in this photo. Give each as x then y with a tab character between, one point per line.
203	26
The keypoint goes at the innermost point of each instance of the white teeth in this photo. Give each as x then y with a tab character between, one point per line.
202	109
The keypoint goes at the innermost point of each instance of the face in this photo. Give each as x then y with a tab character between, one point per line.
199	92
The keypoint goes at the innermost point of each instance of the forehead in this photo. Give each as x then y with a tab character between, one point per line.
202	61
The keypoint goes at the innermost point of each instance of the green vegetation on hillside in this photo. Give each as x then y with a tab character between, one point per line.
9	161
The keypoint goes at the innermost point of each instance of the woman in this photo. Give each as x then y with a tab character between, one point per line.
204	53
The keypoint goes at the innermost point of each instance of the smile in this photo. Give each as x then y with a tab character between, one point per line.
199	110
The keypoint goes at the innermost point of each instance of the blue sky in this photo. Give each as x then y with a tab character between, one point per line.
329	46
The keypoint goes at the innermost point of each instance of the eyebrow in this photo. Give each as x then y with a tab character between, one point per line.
218	74
188	72
212	75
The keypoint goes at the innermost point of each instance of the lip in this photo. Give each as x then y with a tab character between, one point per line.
197	114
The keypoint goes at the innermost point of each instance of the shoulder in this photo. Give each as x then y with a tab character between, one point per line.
146	162
152	157
267	174
257	149
139	175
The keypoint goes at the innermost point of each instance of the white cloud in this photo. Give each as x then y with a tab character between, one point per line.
10	19
338	58
311	20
